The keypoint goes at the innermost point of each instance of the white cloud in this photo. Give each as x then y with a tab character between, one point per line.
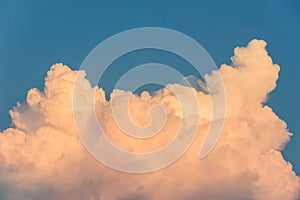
42	156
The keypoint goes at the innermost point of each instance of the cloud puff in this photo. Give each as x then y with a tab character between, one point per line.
41	156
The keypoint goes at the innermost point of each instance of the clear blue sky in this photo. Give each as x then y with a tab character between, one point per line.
35	35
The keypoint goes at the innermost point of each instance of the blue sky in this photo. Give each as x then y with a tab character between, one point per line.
35	35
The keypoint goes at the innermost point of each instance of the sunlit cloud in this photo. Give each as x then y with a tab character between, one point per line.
42	157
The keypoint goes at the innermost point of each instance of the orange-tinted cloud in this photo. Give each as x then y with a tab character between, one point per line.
42	157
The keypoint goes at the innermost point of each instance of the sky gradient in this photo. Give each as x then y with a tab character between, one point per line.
35	35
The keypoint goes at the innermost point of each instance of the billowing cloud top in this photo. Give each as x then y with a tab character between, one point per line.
42	157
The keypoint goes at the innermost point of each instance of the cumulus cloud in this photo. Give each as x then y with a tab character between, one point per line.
41	156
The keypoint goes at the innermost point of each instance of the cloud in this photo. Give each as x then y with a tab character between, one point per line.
41	156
